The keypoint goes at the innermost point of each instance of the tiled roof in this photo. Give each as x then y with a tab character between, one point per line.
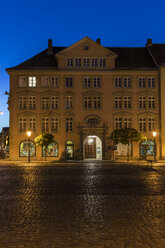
128	58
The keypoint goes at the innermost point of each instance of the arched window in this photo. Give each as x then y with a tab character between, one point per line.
52	150
24	149
147	148
92	120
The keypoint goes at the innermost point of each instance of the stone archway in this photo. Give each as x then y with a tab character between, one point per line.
92	147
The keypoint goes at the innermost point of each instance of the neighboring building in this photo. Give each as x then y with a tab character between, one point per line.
4	138
81	93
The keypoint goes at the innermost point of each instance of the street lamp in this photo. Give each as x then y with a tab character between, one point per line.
154	135
29	134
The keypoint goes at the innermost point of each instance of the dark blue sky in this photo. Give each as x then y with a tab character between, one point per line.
27	25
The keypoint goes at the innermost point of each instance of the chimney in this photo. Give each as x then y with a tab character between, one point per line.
98	40
149	42
50	49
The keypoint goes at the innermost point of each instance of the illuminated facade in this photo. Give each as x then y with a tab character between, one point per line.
81	93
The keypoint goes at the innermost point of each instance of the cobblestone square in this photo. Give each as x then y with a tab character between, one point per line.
84	205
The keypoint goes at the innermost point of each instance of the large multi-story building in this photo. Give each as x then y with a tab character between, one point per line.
83	92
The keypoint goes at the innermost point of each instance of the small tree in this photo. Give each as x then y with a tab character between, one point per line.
43	140
126	136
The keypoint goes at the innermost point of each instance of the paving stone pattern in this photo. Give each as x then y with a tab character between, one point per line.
90	205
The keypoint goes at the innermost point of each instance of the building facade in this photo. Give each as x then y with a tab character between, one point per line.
83	92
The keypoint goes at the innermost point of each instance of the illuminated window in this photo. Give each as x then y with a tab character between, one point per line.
45	124
142	82
52	150
151	102
69	82
22	82
32	102
87	82
54	81
117	82
55	102
69	124
22	102
44	82
96	82
24	149
32	82
151	82
22	124
55	124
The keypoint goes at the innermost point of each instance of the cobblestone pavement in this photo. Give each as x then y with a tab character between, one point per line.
92	205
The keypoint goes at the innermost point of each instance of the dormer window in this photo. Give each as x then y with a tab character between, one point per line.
86	47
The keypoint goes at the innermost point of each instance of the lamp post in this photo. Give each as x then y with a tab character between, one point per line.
29	134
154	135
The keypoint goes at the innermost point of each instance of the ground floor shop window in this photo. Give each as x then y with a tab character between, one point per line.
52	150
70	149
24	149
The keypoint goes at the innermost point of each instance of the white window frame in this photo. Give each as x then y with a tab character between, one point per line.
87	102
45	102
69	124
22	102
127	102
32	124
31	102
118	102
69	102
117	82
45	124
54	82
127	82
143	124
142	82
22	81
142	102
96	82
54	124
32	82
22	124
151	82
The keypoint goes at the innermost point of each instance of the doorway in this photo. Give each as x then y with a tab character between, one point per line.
92	148
70	149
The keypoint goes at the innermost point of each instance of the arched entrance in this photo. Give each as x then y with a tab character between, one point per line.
147	148
92	148
70	149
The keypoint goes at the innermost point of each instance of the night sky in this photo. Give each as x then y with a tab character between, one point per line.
26	27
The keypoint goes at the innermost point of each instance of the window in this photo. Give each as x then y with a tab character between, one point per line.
118	123
22	124
86	61
87	82
151	102
127	102
52	150
24	149
69	82
32	82
32	123
151	124
55	102
54	124
22	102
69	124
102	62
142	124
45	124
118	102
32	102
45	103
117	81
69	61
54	81
45	82
22	81
78	62
127	82
87	102
68	102
96	102
127	122
142	102
142	82
93	121
94	62
96	82
151	82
